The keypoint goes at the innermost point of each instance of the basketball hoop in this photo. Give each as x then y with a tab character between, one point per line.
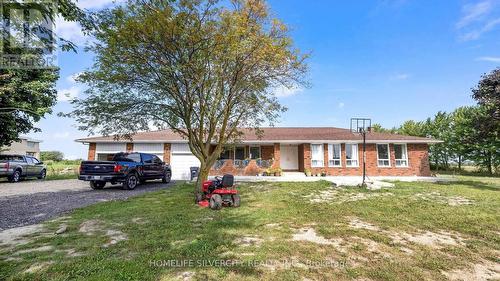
361	126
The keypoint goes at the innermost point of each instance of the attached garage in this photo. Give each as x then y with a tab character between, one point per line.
105	151
151	148
181	160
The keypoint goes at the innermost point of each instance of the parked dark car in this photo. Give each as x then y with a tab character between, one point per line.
130	169
15	167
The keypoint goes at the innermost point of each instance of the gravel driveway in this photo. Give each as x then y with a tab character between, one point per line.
32	202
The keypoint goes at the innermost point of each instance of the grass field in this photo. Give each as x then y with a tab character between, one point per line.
62	170
282	231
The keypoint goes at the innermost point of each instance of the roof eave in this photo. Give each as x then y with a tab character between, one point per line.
428	141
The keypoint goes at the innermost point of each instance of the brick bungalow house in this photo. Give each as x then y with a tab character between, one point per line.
336	151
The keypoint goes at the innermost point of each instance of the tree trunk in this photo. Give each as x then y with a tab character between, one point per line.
490	164
202	176
459	162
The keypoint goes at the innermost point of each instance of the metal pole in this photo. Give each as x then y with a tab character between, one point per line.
364	157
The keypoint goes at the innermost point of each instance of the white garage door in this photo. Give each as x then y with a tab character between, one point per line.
181	160
151	148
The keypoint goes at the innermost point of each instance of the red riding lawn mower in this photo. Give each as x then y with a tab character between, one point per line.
218	193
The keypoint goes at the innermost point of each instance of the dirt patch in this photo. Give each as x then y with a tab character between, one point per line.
37	267
90	227
17	235
359	224
338	195
310	235
139	221
428	238
185	276
284	264
39	249
115	236
483	271
246	241
71	253
443	199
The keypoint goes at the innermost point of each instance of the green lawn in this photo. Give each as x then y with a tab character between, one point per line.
282	231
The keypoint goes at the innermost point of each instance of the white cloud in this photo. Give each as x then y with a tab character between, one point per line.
68	94
475	34
282	91
477	19
62	135
400	76
96	4
71	31
341	105
490	59
72	78
474	12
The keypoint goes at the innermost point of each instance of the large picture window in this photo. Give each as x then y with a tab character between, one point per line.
383	155
239	153
351	155
317	155
254	152
401	155
334	155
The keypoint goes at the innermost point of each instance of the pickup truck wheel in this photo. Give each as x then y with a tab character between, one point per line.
42	175
97	184
130	182
166	177
16	176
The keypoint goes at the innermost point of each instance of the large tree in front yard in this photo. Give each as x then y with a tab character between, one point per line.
204	69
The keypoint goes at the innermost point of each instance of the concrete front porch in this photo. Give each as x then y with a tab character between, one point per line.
338	180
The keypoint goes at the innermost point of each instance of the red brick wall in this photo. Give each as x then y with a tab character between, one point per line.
301	157
267	152
130	147
277	156
167	147
418	159
91	155
228	168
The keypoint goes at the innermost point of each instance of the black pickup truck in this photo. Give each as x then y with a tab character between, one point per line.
130	169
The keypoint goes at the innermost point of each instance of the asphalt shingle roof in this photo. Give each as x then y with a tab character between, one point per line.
275	134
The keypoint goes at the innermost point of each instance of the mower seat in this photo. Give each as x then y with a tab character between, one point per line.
227	181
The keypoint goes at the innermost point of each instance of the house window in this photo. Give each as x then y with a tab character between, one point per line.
317	155
351	155
254	152
225	154
239	153
30	144
383	155
334	155
401	155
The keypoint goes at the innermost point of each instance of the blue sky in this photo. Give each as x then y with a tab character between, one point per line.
387	60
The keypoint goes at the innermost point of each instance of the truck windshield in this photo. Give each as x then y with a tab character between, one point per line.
127	157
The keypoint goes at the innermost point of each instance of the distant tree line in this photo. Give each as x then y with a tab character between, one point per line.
469	133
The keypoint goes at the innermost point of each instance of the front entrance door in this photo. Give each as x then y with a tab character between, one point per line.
289	157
